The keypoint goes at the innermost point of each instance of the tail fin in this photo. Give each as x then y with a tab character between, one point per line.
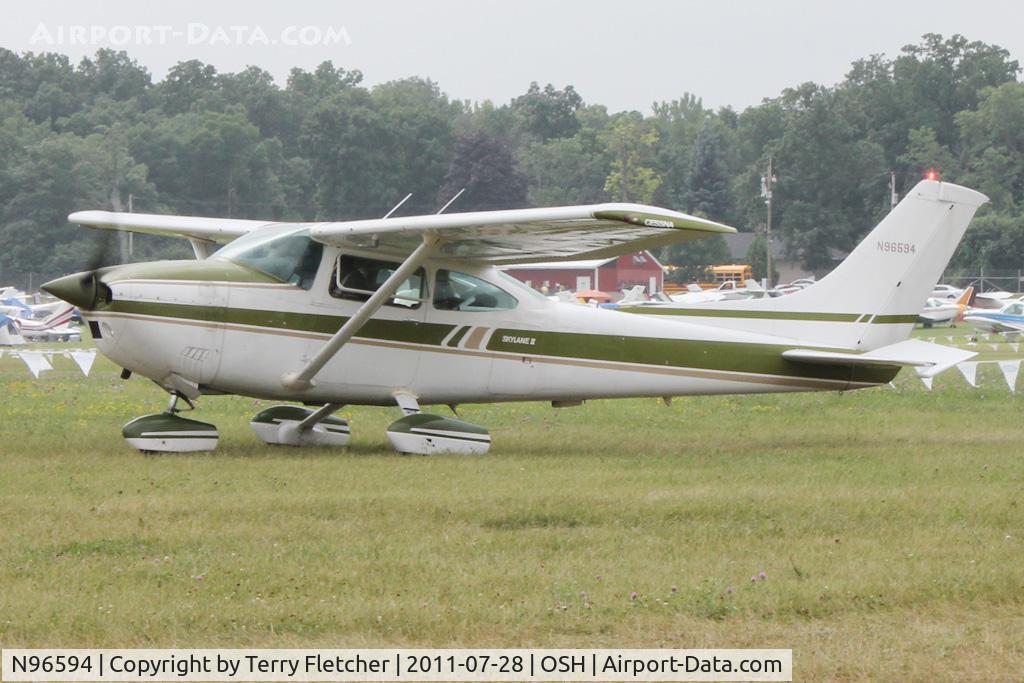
964	302
873	297
60	316
635	293
965	298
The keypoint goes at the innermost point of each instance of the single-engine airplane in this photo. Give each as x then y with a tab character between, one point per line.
414	311
1007	320
937	311
54	327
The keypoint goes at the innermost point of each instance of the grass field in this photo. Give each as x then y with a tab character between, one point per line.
889	524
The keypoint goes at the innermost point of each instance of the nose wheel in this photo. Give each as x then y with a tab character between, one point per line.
168	432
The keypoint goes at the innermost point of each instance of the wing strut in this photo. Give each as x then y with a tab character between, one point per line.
303	379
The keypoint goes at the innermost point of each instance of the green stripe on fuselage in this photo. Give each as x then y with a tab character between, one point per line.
726	313
375	328
767	315
763	359
894	319
457	337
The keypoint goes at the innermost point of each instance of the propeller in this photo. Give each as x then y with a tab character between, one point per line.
84	289
103	253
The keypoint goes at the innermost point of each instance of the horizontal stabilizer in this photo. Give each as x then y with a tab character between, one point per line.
931	358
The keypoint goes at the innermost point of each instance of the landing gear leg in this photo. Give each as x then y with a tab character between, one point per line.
426	434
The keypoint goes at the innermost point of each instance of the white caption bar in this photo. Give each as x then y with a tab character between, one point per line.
397	665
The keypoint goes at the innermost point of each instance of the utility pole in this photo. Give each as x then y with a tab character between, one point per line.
767	189
894	198
131	235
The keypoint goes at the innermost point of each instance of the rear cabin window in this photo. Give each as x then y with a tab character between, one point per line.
454	291
357	278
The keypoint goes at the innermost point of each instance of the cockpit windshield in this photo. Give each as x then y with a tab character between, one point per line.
284	252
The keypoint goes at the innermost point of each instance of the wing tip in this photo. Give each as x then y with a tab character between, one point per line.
87	217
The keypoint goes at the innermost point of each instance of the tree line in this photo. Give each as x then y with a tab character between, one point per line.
324	146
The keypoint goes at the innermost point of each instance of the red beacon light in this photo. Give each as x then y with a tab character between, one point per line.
931	174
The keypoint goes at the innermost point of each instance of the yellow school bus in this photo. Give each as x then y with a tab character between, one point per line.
716	275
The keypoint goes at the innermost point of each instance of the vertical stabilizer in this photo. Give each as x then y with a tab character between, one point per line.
872	298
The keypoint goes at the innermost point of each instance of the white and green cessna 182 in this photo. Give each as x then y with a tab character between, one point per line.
416	311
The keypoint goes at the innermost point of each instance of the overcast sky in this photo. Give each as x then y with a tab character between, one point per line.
624	54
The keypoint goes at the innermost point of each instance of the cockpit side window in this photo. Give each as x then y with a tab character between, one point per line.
357	278
290	256
455	291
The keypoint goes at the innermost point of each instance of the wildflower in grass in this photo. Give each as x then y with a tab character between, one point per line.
633	596
728	590
762	576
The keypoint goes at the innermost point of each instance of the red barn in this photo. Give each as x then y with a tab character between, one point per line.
608	275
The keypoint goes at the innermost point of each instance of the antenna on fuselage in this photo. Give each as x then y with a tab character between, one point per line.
450	201
395	207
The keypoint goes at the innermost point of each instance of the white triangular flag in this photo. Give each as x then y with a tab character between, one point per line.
969	369
995	347
84	360
1015	346
35	361
1010	370
950	339
927	382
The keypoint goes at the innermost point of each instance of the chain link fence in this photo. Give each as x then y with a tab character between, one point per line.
988	280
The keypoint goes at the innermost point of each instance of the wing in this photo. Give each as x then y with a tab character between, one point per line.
1006	326
498	237
525	235
193	227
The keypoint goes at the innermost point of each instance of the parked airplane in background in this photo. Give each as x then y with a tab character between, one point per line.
1007	320
726	291
941	311
994	300
16	307
54	327
411	311
10	335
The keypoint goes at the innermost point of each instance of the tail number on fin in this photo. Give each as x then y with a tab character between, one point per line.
896	247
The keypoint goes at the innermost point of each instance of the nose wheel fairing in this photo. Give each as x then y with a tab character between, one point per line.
170	433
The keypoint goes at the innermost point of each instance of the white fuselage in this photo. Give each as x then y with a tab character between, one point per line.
242	337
